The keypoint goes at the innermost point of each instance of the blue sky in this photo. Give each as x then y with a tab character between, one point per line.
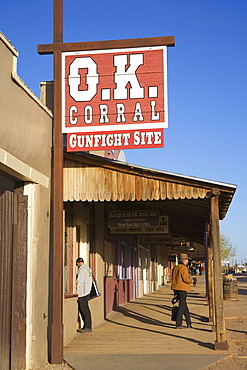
207	79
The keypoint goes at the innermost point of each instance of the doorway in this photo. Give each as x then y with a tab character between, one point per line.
13	277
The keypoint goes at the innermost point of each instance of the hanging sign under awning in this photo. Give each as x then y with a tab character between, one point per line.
115	99
161	229
164	239
133	219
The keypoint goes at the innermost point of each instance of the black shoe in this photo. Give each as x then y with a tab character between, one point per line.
86	330
189	326
180	327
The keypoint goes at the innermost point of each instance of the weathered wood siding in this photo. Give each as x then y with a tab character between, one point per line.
6	258
104	184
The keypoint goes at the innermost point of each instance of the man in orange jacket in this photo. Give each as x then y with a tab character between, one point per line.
181	285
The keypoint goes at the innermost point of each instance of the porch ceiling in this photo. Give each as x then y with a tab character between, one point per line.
187	218
186	200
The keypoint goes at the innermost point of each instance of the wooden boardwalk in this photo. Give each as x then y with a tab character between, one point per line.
143	328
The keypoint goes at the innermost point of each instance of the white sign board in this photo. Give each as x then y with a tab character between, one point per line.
114	99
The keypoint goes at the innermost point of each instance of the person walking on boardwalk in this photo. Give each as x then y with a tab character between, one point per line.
181	285
83	288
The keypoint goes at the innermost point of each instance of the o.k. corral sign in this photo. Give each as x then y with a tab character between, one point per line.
115	99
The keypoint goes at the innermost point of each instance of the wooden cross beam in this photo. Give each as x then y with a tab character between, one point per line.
104	45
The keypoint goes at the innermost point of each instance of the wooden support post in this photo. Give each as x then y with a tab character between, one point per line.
210	285
56	344
221	342
211	282
206	263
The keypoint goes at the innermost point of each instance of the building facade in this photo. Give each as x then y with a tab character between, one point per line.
25	169
162	214
131	261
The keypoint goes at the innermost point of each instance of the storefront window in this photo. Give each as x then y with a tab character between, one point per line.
140	269
68	254
123	262
125	271
76	244
108	258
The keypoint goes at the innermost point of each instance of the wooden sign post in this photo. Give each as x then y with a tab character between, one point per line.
56	332
56	308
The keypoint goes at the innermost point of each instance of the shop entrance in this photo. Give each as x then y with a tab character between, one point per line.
13	257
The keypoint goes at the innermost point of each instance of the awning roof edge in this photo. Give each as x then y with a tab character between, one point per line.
88	160
105	162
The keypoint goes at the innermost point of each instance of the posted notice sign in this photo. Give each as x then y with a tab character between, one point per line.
115	99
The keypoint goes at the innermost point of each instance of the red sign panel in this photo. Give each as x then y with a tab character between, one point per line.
114	90
77	142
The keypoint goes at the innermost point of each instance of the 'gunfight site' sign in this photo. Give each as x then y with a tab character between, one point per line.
115	99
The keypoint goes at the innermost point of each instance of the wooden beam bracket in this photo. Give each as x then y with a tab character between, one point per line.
213	193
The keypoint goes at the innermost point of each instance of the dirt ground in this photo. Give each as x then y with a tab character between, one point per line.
237	340
229	363
63	366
